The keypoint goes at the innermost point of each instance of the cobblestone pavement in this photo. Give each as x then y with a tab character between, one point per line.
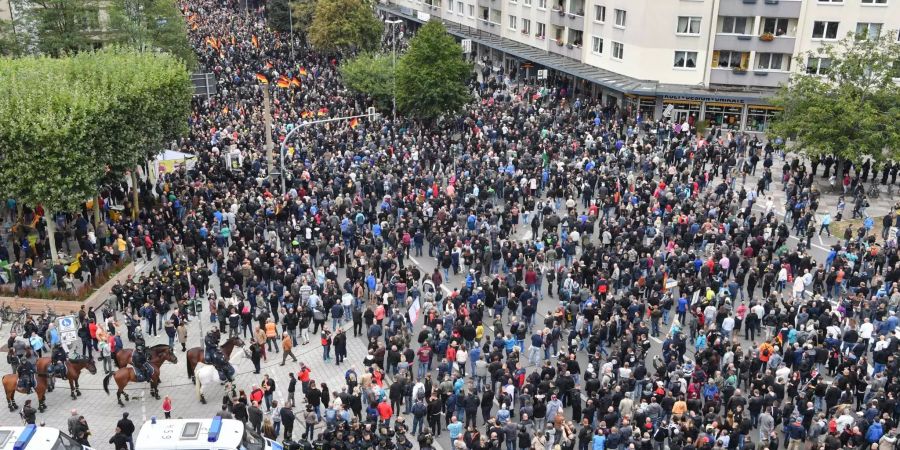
102	411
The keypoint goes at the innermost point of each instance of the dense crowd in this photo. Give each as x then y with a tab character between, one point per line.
635	236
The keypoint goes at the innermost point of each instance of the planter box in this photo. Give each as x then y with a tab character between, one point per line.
749	1
744	37
760	73
771	2
739	72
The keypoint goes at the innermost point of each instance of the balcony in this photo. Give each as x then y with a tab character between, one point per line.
568	50
750	43
748	78
765	8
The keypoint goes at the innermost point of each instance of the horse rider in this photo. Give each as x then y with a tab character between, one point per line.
20	347
139	360
26	371
58	361
215	356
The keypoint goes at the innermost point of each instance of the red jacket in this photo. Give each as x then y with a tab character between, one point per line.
385	411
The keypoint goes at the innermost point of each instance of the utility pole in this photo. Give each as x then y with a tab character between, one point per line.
291	21
393	24
267	120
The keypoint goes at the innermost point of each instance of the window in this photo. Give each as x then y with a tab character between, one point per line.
688	25
471	10
772	61
526	2
542	4
778	27
620	18
866	30
541	29
874	2
825	30
727	59
831	1
513	22
600	13
460	8
526	26
734	25
685	60
597	45
818	66
514	1
618	50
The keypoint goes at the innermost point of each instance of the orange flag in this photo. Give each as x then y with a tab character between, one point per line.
262	78
283	82
295	82
354	122
303	71
254	41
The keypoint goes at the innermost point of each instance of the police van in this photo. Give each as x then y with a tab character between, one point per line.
32	437
200	434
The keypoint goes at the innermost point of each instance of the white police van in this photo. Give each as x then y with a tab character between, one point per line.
200	434
32	437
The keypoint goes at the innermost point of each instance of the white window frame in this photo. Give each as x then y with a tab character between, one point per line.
873	2
623	14
818	65
542	4
594	41
513	22
832	2
868	26
734	20
824	36
526	25
770	57
526	3
600	13
541	29
621	51
689	22
686	53
471	11
460	8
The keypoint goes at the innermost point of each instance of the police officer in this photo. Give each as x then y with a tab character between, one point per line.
58	361
139	360
25	371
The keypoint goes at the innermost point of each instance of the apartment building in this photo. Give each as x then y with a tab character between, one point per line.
719	60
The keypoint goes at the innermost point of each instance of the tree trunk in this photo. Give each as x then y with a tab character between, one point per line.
51	233
96	211
20	210
134	190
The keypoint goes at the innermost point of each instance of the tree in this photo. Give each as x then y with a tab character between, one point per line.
11	41
280	17
338	24
432	74
851	110
151	24
62	27
371	74
100	114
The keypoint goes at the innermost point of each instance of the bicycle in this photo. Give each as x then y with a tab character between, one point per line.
19	321
874	192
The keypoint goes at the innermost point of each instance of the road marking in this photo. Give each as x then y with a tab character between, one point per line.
655	340
143	407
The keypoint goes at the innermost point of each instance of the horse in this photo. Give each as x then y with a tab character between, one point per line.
73	372
11	386
207	373
197	355
159	354
122	358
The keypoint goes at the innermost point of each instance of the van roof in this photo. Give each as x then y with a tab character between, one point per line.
171	434
43	438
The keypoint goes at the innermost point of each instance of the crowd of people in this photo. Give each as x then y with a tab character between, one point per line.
688	309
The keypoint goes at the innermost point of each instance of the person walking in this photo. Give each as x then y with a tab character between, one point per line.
287	345
255	356
119	440
167	407
29	414
127	426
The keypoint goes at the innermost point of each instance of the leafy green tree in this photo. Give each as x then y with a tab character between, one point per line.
280	17
432	74
101	114
852	110
339	24
371	74
11	40
151	25
62	26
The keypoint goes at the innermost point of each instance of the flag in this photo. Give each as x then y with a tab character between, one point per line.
354	122
306	114
269	65
262	78
303	71
233	40
323	111
283	82
225	110
254	41
194	27
295	82
414	310
212	42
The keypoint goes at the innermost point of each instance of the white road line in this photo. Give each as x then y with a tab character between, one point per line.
143	407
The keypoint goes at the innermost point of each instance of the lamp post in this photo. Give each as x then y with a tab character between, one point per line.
291	21
370	113
392	23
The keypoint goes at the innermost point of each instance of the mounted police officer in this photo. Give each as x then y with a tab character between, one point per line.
58	362
139	358
214	355
26	370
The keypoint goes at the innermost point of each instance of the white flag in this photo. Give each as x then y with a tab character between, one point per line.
414	311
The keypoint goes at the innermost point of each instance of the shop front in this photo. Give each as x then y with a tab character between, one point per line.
759	117
683	109
643	105
728	116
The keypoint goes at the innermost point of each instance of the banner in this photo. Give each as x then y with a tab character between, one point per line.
414	311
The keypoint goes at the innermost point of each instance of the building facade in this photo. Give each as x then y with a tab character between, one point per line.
717	60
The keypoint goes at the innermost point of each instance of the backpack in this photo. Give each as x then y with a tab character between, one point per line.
419	409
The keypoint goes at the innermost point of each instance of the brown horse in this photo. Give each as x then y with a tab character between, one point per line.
197	355
73	372
159	354
11	386
122	357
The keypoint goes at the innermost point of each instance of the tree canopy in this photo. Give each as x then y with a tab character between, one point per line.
371	74
100	114
432	74
851	107
280	17
339	24
151	25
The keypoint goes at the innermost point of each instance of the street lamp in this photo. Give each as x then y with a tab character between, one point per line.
291	20
394	65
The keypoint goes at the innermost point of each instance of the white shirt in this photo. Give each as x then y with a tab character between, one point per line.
866	329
